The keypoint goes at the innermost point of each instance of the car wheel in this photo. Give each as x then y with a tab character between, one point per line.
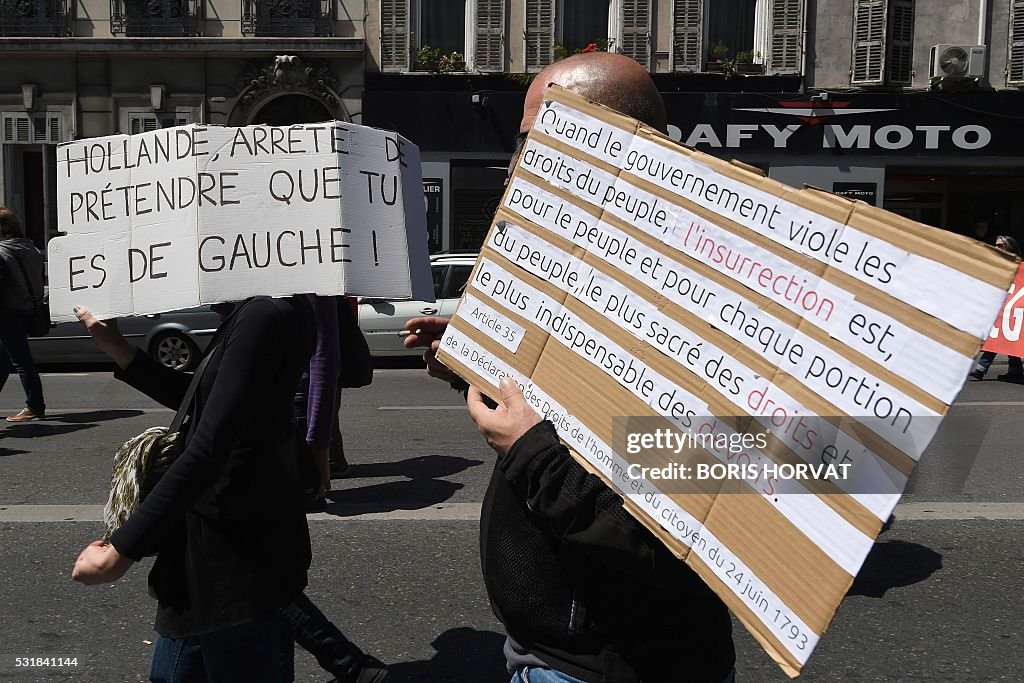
175	351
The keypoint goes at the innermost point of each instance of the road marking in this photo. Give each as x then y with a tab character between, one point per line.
469	512
462	407
69	374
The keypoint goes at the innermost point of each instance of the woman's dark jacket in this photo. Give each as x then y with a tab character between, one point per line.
227	518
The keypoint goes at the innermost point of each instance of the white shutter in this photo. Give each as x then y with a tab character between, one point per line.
900	61
1015	54
22	128
489	53
394	35
869	42
144	122
635	20
540	33
784	47
688	35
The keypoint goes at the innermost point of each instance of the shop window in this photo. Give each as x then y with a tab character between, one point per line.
477	188
756	36
883	42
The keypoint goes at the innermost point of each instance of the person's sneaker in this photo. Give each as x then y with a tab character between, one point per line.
26	415
339	468
1012	377
372	671
976	374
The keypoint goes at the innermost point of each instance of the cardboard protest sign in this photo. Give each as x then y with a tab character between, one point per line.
1006	336
756	369
197	214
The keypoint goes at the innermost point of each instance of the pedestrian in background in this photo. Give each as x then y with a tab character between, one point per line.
21	285
1016	369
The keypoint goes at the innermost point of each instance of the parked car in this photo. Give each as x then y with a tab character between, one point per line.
176	339
382	319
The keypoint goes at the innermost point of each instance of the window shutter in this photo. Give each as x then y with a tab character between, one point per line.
900	66
394	35
540	33
784	56
869	42
1015	55
688	35
489	54
636	30
22	128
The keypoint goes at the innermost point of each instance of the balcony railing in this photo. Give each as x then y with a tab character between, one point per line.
38	18
165	18
287	17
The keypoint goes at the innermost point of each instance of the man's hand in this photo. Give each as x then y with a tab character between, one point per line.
503	425
100	563
428	332
107	337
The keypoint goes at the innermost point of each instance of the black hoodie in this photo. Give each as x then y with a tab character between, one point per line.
583	586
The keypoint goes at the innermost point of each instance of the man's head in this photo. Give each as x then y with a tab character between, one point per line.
981	228
607	78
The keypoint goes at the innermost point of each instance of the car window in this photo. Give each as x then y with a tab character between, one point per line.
438	273
460	274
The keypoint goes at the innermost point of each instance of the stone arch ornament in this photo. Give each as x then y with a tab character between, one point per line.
286	75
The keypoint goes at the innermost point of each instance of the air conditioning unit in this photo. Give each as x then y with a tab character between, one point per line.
958	61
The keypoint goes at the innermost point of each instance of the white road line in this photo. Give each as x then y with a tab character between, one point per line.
71	374
462	407
471	512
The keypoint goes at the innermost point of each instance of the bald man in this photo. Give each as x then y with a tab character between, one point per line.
585	592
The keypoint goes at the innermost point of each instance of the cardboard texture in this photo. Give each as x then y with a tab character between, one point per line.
642	279
179	217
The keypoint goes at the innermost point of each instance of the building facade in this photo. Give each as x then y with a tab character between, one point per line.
908	104
77	69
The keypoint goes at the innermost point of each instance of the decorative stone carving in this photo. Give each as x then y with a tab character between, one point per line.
289	73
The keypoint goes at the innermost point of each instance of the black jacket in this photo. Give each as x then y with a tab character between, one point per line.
586	588
227	518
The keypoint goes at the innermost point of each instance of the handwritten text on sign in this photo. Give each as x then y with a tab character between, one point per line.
178	217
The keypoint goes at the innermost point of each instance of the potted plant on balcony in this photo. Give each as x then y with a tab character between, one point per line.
719	61
746	65
438	61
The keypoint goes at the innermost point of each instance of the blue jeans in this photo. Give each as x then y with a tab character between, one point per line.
15	352
319	637
248	653
534	675
1016	366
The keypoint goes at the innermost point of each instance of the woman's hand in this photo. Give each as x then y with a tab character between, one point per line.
100	563
107	337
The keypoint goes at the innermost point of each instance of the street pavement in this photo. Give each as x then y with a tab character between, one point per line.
396	563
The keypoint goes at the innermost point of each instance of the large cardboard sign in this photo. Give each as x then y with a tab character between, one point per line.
1007	335
756	369
196	214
